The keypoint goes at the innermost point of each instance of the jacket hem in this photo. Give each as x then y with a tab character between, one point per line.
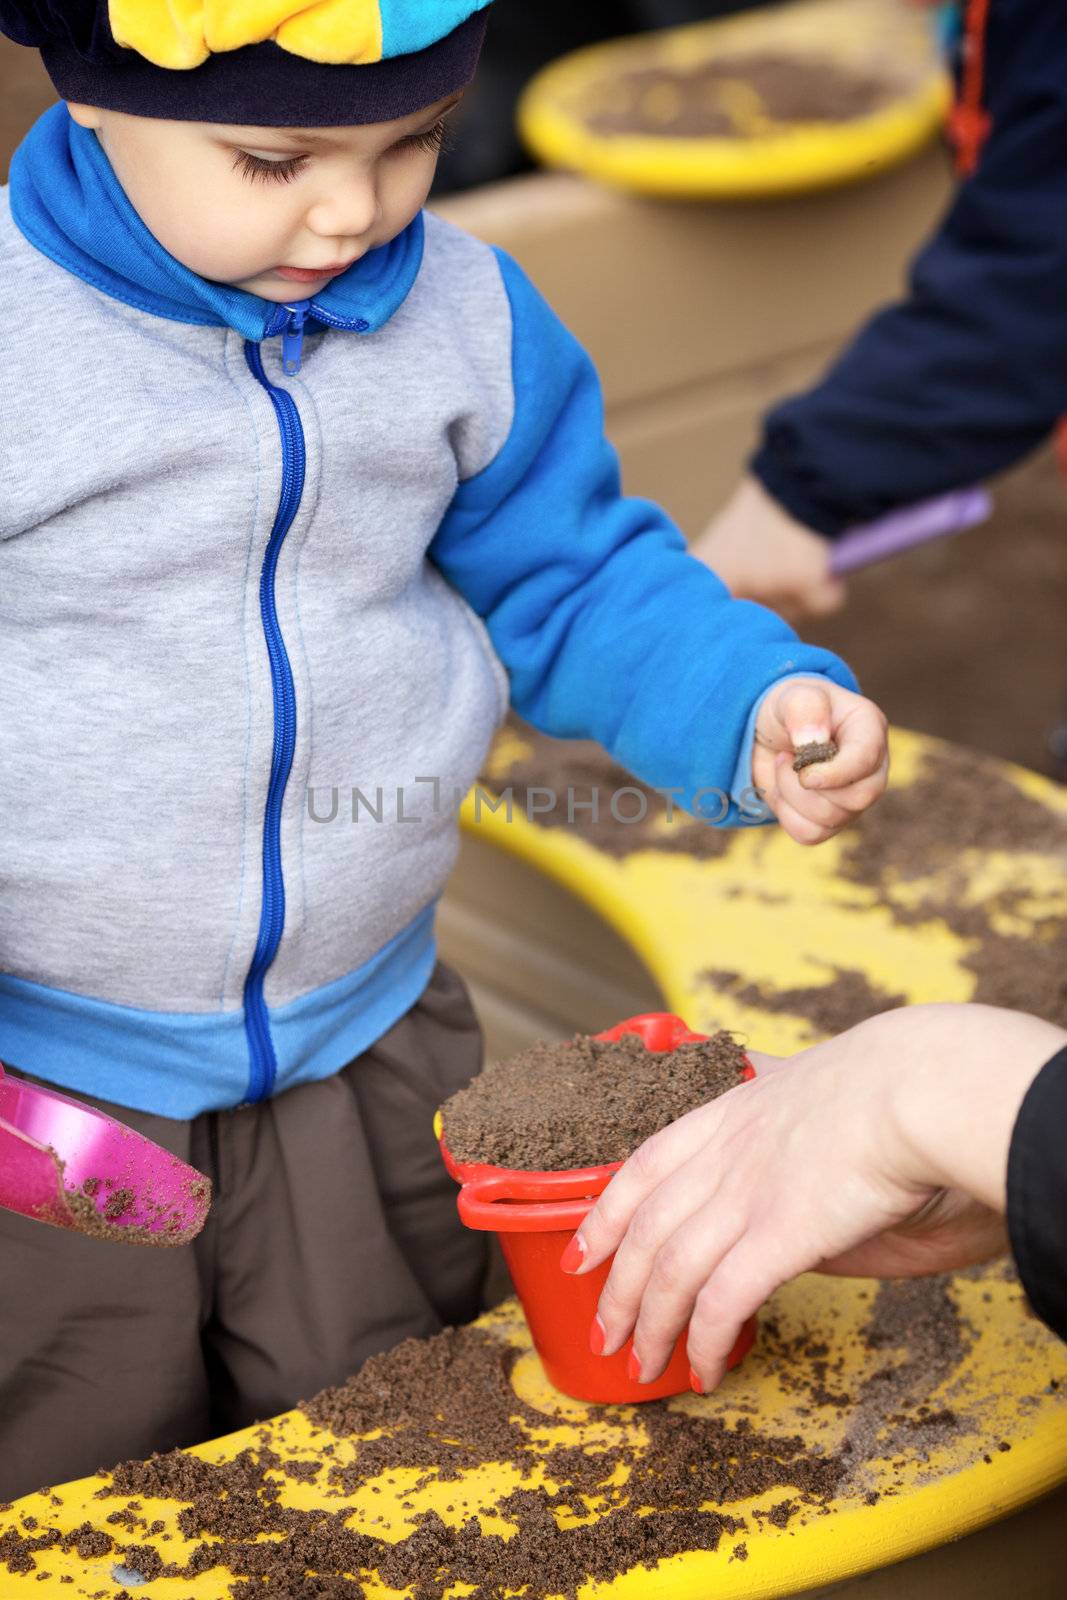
181	1064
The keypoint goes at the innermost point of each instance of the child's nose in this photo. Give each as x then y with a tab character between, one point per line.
348	212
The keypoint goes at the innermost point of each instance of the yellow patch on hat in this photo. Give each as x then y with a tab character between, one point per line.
181	34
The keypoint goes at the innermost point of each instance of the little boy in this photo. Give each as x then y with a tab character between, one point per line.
300	485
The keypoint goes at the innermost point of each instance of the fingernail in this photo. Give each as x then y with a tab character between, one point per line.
695	1383
597	1337
633	1368
804	736
574	1255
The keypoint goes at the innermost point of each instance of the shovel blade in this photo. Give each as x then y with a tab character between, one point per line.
67	1164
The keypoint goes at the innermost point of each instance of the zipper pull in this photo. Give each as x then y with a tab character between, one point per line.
293	339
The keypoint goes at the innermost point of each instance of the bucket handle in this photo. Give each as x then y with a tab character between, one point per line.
556	1200
533	1216
574	1183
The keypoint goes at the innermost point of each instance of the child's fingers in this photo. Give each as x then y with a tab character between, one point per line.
825	810
781	789
800	828
812	817
860	737
808	819
822	599
799	714
807	713
857	797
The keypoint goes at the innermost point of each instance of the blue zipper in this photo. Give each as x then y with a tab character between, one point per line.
293	339
292	331
263	1062
263	1068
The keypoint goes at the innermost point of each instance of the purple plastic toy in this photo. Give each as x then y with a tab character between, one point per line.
901	530
65	1163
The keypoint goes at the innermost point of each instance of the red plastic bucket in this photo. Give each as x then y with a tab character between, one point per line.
534	1215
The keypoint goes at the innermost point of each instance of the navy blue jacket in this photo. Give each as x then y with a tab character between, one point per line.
1037	1194
969	373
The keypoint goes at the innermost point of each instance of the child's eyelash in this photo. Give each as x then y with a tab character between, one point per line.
435	139
254	168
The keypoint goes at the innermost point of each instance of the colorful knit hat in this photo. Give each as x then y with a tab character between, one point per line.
261	63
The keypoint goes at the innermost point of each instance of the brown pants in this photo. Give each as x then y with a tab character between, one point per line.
333	1234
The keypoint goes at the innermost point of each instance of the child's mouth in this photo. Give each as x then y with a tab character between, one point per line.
304	275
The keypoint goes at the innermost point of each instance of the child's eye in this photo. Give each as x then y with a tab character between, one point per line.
434	140
256	168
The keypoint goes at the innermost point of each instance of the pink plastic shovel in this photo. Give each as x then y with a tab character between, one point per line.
913	525
65	1163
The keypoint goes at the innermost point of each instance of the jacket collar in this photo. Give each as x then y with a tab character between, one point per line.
68	202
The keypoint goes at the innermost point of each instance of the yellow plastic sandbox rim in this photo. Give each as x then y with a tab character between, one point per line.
1015	1361
654	901
802	158
784	1561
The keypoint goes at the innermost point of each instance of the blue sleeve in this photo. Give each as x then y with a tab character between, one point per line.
608	628
969	373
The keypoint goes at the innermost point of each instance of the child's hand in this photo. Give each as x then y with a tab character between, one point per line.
817	802
881	1152
761	553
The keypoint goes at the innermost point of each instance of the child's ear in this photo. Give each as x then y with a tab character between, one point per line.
85	116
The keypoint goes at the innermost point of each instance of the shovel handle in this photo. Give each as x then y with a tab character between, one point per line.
909	527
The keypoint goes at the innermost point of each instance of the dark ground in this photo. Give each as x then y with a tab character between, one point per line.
965	639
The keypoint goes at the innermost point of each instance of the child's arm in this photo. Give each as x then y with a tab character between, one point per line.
883	1152
610	630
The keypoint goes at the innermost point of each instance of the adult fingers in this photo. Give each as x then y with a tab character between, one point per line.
663	1249
659	1229
651	1163
682	1265
745	1277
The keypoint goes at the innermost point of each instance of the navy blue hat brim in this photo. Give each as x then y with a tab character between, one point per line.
264	86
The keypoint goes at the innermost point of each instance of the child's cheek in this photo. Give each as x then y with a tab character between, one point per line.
404	192
233	236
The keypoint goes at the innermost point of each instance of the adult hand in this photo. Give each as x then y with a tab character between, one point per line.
881	1151
762	553
817	802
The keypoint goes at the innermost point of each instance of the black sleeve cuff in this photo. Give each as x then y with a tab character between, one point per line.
805	508
1037	1193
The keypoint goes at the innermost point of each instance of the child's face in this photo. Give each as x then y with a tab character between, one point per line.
235	204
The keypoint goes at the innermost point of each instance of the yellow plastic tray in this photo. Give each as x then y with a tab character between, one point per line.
954	1493
781	915
767	159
